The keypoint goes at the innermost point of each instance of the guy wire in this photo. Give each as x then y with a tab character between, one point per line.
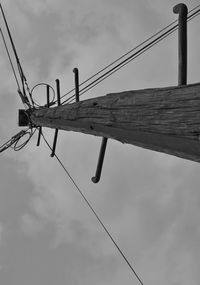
94	212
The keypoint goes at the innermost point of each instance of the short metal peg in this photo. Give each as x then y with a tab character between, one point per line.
76	77
56	130
97	176
39	136
48	105
48	96
54	143
58	91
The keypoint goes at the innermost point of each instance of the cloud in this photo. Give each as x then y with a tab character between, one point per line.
30	225
1	232
148	201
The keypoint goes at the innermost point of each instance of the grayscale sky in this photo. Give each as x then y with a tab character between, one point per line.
149	201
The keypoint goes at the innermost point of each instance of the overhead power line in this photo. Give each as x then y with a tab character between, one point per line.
10	59
162	34
24	83
115	61
93	84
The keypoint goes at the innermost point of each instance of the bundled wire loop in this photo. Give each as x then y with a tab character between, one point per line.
14	142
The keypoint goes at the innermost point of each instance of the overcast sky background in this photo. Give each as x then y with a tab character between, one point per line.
149	201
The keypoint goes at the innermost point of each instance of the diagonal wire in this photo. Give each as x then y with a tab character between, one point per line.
131	57
125	61
9	57
71	99
137	55
20	69
13	69
95	213
121	57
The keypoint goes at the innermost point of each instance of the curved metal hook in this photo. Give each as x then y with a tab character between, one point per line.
181	9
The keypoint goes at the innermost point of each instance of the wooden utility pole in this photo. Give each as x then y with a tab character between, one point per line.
162	119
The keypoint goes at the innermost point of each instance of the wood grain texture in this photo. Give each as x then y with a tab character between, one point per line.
162	119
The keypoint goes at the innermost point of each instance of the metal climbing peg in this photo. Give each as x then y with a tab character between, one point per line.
76	77
48	105
97	176
182	10
56	130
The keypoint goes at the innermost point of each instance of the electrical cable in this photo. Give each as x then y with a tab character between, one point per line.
9	57
195	8
130	58
145	41
123	63
115	61
93	84
194	15
25	100
89	88
13	69
9	34
29	132
94	212
14	141
11	141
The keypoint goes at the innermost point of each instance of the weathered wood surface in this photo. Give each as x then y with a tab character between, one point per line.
163	119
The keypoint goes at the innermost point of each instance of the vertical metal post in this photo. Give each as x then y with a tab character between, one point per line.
182	10
76	74
58	91
39	136
48	96
48	105
54	143
56	130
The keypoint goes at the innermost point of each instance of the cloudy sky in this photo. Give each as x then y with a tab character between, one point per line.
148	201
